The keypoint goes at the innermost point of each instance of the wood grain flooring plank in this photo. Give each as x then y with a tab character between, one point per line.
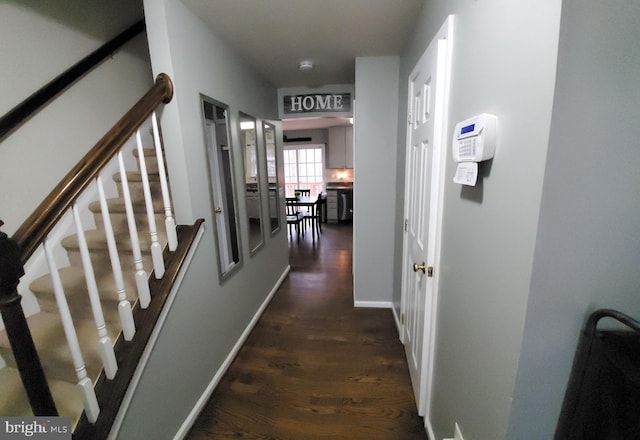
315	367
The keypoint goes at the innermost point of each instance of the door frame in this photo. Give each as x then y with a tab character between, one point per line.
439	159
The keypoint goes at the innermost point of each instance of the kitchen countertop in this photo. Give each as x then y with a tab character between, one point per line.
339	185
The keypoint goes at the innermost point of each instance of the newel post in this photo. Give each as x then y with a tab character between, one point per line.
15	323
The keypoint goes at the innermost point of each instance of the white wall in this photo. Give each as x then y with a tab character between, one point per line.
207	317
588	245
39	41
504	57
375	126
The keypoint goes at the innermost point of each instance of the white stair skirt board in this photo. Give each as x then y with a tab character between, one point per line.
193	415
135	380
374	304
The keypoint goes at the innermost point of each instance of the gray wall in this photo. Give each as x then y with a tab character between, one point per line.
207	318
504	59
39	41
588	246
375	126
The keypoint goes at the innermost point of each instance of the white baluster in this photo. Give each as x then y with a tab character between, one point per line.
84	383
142	283
156	249
124	307
105	347
169	222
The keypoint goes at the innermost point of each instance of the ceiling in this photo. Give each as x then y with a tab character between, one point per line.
275	35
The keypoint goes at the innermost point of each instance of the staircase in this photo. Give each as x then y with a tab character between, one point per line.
92	400
46	326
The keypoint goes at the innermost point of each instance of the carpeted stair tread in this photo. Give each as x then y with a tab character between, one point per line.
75	288
97	241
149	154
99	251
73	279
117	206
51	344
67	398
136	177
136	187
15	402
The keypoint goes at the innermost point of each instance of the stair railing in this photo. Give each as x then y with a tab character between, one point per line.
36	230
27	108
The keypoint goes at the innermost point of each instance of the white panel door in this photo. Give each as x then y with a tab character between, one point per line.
225	253
424	145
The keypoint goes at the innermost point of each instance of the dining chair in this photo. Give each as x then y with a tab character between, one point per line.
305	211
295	218
313	215
303	192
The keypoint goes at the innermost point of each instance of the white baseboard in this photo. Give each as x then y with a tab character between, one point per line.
398	322
429	428
374	304
456	436
202	401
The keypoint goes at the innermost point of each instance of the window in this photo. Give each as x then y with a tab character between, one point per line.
304	168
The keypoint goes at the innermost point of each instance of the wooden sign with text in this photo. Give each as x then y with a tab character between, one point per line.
317	103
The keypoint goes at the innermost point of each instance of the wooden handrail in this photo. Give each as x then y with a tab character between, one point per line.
36	227
27	108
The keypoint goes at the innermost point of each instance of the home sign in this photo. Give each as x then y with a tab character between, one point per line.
317	103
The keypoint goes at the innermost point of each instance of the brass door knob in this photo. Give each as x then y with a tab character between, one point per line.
422	267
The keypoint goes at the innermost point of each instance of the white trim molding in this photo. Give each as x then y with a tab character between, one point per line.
374	304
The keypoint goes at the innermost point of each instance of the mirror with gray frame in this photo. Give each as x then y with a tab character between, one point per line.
221	185
248	140
269	134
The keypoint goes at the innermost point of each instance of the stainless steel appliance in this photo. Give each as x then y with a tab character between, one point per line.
343	192
345	205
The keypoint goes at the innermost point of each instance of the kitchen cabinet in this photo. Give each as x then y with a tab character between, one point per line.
340	149
332	205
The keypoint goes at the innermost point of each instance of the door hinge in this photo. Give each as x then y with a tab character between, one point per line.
402	318
406	225
409	118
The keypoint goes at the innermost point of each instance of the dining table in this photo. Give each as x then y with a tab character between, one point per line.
312	203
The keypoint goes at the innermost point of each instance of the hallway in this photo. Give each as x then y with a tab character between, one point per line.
314	366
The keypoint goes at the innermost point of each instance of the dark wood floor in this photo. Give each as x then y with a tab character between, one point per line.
315	367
